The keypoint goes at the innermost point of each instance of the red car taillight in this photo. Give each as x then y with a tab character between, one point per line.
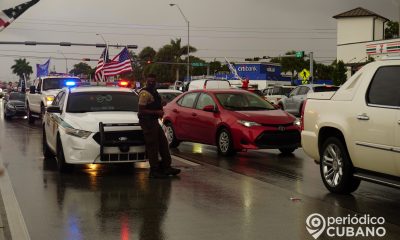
302	115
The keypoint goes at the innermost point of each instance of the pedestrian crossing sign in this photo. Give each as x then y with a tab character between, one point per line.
304	75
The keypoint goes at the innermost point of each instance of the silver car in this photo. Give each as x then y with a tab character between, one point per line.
294	102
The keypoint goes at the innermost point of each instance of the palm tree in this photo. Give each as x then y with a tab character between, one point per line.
179	51
22	68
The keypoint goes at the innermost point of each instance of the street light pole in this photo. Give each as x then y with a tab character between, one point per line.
188	38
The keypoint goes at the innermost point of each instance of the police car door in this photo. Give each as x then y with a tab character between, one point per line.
53	120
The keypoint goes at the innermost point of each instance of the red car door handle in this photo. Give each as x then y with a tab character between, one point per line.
175	111
194	114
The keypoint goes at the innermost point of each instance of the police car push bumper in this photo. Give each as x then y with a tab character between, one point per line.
86	150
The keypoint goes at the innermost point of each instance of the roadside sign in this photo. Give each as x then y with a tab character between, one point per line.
197	64
304	74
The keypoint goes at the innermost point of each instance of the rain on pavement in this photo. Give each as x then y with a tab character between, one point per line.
254	195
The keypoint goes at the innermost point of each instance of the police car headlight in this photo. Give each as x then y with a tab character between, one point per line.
248	123
49	99
77	133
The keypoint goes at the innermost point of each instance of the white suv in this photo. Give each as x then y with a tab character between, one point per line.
42	93
89	125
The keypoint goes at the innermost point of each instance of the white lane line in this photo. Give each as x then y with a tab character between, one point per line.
184	161
15	219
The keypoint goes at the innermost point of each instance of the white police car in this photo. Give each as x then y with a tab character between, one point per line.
89	125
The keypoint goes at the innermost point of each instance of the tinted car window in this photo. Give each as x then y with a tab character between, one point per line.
385	87
188	100
204	100
325	89
17	96
56	101
102	101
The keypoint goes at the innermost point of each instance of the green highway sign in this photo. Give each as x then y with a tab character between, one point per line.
199	64
300	54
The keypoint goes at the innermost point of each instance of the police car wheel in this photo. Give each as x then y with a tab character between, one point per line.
170	135
61	164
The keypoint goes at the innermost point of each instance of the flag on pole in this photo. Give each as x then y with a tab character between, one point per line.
99	75
42	69
9	15
119	64
232	69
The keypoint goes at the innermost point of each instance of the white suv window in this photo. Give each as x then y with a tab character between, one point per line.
385	87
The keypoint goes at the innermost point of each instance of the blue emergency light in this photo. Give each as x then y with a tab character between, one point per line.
70	84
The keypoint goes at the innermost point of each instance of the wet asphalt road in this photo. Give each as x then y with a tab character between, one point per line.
244	197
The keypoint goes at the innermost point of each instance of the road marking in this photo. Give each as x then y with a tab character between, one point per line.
184	160
15	219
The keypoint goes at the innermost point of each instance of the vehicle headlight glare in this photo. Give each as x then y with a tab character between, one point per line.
49	99
297	122
77	133
248	123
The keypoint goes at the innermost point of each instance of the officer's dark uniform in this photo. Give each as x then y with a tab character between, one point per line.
154	136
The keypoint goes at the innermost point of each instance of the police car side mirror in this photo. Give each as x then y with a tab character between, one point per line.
53	109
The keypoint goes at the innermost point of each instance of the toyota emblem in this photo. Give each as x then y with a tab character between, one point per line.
281	128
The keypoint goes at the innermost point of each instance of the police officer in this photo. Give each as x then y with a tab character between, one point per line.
150	110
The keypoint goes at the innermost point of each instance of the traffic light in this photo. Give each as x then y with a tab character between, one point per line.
149	62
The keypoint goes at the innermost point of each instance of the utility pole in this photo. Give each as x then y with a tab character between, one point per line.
311	67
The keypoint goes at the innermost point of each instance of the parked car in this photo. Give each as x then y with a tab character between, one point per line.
233	120
14	105
294	102
208	84
354	134
276	93
167	95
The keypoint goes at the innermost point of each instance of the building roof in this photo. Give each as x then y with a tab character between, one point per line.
359	12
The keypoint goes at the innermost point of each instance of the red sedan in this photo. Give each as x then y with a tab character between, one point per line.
232	120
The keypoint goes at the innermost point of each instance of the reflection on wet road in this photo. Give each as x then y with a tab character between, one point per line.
245	197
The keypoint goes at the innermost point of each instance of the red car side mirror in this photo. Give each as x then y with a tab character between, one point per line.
209	108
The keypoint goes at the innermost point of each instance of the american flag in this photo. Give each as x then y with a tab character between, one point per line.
9	15
120	64
99	75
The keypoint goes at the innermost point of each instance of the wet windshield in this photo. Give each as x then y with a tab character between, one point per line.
243	102
57	83
102	102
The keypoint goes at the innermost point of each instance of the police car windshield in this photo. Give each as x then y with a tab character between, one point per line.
57	83
82	102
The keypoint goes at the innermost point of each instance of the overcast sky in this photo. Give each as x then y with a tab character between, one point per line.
219	28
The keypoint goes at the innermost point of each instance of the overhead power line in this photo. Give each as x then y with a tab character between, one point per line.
169	35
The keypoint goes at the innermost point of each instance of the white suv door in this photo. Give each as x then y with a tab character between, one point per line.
374	121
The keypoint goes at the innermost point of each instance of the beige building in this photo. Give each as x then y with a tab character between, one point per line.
360	35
